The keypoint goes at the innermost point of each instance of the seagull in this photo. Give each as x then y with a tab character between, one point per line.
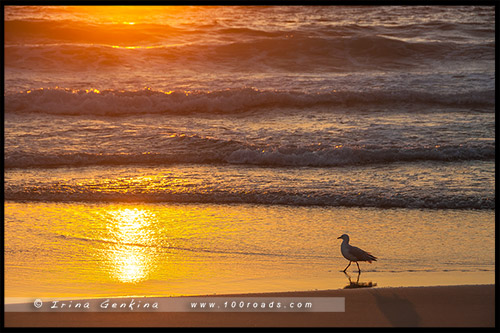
353	253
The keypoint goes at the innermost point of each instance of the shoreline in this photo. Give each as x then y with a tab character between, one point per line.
431	306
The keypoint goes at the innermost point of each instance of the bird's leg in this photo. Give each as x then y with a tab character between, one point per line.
359	269
347	266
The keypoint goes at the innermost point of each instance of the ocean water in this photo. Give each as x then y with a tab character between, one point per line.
216	149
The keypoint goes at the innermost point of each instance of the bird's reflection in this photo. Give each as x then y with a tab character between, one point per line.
358	284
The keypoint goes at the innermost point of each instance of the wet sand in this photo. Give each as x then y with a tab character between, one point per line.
439	306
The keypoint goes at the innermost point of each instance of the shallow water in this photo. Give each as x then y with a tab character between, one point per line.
117	249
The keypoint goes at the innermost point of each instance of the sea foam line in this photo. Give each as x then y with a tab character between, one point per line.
62	101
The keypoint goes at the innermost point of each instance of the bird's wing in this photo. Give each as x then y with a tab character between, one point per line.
361	255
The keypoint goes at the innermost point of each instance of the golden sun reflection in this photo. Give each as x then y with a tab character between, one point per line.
133	252
133	47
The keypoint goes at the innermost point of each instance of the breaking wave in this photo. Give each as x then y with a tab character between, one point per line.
293	198
61	101
236	153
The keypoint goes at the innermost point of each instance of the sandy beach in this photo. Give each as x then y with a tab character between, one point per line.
440	306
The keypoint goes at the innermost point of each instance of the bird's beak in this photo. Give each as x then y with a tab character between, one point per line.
339	237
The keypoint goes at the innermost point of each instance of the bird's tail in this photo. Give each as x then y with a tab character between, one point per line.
371	258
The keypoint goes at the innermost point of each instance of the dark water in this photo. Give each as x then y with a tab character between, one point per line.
335	106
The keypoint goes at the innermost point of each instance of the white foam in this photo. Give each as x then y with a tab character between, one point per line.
115	103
